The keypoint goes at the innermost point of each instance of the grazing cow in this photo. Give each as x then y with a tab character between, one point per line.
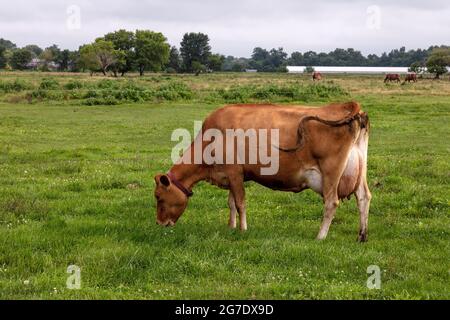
410	77
324	149
392	77
316	76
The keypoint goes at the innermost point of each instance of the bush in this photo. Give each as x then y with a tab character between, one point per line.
174	91
49	84
74	84
292	92
42	94
107	84
15	86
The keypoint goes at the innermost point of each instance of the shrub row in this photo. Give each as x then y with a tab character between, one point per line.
14	86
111	92
272	92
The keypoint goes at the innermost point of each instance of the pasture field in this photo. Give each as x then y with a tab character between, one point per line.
77	160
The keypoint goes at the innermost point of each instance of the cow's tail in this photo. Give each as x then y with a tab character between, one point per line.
361	117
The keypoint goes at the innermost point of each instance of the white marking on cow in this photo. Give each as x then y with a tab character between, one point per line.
314	179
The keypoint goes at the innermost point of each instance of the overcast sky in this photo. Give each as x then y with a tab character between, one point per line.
235	27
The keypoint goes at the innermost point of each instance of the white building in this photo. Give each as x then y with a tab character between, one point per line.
367	70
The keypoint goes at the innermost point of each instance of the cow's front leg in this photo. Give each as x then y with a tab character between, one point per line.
233	211
363	197
238	191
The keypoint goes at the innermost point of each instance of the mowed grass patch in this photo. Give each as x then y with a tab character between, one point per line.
76	187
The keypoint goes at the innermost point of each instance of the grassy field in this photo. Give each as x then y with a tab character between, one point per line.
76	185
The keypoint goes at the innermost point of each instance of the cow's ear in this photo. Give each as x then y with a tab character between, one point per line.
164	180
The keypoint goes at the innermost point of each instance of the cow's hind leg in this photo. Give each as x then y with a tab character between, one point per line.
331	202
331	170
233	211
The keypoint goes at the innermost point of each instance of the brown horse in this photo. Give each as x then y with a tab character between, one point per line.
392	77
316	76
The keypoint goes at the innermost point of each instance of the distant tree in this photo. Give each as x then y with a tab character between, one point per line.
234	64
174	63
309	69
152	51
268	61
46	57
124	41
35	49
7	44
416	67
74	61
198	67
64	60
99	55
296	59
20	59
438	61
215	62
194	47
2	58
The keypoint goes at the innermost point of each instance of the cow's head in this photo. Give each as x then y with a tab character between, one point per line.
171	201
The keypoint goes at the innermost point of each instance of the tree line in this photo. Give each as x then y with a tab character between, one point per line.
125	51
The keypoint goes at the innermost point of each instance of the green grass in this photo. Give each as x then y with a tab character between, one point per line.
76	185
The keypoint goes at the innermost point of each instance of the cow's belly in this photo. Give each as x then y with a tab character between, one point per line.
312	177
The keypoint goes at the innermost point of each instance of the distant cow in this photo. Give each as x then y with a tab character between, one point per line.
410	77
316	76
392	77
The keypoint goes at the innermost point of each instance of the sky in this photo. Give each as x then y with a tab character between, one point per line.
235	27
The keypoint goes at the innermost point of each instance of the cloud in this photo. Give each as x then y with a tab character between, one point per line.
237	26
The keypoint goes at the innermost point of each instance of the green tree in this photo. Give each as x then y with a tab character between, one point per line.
123	41
215	62
438	61
7	44
198	67
99	55
64	60
416	67
2	58
174	63
20	59
194	47
35	49
152	51
47	56
268	61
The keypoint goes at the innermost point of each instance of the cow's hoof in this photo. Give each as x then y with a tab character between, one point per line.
362	237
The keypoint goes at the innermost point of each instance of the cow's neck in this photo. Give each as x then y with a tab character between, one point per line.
189	174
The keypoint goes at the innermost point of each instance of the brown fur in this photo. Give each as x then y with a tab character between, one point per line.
316	142
392	77
316	76
411	77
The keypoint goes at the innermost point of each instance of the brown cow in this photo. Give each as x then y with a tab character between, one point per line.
410	77
392	77
316	76
324	149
